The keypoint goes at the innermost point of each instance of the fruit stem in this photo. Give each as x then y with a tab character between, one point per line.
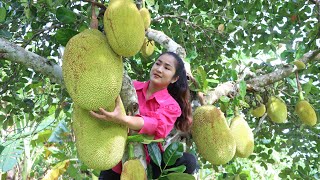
94	21
299	87
130	150
236	111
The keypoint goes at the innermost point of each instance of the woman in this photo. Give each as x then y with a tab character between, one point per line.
163	104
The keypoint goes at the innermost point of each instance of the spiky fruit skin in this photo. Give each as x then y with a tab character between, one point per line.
277	110
259	111
243	136
145	14
147	48
124	27
100	144
133	170
212	135
92	72
306	113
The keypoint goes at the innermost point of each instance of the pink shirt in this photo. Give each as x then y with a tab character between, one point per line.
159	113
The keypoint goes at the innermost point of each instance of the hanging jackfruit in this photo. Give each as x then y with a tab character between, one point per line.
306	113
92	72
299	64
145	14
259	111
243	136
277	110
124	27
147	48
100	144
133	170
212	135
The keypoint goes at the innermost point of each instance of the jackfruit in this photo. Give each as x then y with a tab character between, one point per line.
212	135
300	65
133	170
243	136
100	144
306	113
124	27
92	72
147	48
259	111
145	14
277	110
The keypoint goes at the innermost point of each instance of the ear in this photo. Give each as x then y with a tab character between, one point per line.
174	79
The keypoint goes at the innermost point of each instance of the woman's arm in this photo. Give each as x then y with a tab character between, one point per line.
117	116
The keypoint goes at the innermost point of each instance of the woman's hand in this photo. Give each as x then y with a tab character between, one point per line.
117	116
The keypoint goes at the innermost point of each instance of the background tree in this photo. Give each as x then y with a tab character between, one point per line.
237	50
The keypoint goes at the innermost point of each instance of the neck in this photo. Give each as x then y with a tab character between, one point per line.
152	88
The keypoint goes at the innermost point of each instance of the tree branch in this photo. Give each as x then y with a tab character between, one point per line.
12	52
100	5
259	81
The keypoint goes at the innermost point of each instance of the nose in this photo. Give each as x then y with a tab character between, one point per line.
159	69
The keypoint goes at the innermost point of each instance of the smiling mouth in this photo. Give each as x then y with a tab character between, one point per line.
156	75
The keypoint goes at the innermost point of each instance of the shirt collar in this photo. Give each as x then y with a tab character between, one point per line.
159	95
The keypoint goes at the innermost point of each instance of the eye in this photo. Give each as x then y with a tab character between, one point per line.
167	68
157	63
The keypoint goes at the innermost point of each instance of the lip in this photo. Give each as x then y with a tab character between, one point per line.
156	75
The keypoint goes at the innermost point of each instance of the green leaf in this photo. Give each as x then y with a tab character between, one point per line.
143	138
65	15
3	14
213	81
172	153
224	99
59	132
307	87
64	35
10	155
5	34
243	88
179	176
180	168
155	154
1	148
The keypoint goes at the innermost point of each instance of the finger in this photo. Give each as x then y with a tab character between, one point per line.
96	115
104	112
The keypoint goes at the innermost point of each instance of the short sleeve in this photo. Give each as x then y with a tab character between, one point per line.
160	122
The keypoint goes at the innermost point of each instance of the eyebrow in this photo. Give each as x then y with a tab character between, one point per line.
165	63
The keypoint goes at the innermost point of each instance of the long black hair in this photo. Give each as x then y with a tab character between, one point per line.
179	90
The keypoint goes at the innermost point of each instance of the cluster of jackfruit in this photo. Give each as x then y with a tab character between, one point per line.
93	70
148	46
215	140
276	110
92	74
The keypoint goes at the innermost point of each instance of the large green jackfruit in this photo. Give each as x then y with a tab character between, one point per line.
277	110
133	170
306	113
92	72
243	136
212	135
124	27
100	144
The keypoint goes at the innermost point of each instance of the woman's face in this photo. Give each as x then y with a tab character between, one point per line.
163	70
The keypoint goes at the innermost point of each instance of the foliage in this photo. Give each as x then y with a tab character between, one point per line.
260	36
